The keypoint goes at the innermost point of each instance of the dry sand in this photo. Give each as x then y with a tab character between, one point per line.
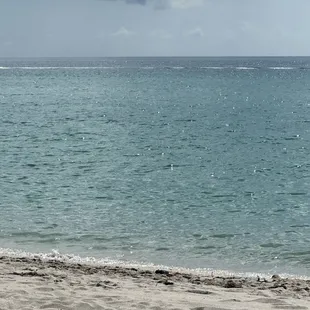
28	283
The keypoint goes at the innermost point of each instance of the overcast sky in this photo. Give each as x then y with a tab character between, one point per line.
154	27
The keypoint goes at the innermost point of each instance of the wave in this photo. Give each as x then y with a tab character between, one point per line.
55	68
246	68
55	255
251	68
214	68
148	68
283	68
231	68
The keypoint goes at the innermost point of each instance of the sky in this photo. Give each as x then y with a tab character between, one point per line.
101	28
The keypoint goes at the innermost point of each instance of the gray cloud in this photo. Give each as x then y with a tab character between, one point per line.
141	2
164	4
32	28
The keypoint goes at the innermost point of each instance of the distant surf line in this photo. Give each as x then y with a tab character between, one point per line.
150	68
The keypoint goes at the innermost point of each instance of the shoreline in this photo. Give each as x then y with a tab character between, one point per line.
53	284
73	258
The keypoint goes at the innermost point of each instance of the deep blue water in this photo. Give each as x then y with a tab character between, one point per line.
193	162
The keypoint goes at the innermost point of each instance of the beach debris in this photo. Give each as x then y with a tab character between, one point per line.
276	277
166	282
160	271
259	279
106	284
232	284
29	274
57	271
187	276
196	281
200	292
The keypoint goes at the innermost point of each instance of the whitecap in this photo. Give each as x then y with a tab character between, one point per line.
281	68
214	68
245	68
55	68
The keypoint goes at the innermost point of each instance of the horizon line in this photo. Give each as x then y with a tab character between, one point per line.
227	56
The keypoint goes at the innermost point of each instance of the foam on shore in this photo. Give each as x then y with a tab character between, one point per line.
55	255
55	281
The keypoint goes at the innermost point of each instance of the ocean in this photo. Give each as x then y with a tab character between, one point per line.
187	162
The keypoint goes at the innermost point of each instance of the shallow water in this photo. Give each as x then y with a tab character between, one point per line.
192	162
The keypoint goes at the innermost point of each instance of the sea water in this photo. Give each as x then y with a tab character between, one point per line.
190	162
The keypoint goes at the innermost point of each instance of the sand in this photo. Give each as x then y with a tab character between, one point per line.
33	283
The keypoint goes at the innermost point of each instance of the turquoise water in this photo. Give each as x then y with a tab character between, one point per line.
192	162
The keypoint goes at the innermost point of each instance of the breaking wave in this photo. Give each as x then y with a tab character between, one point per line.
152	68
55	255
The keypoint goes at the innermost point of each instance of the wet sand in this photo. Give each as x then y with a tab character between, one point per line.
33	283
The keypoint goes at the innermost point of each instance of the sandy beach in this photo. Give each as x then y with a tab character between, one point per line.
32	283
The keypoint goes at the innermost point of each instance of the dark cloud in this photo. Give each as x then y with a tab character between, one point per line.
161	4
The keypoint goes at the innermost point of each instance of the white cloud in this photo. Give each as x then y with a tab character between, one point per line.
196	32
123	32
